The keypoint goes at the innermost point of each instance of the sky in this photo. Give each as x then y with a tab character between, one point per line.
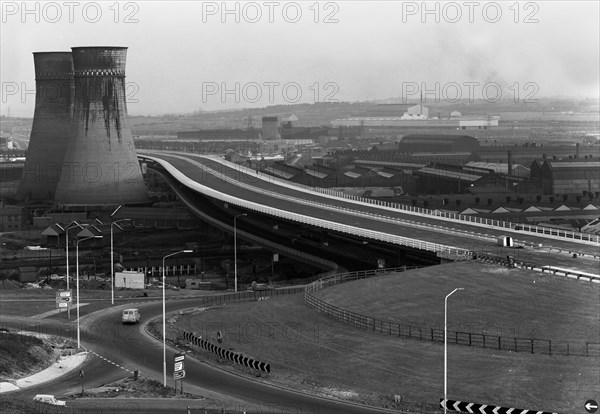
202	55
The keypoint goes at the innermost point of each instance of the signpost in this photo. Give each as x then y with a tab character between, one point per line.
473	408
179	370
81	374
64	299
591	406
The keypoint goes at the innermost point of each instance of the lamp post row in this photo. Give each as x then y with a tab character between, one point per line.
114	223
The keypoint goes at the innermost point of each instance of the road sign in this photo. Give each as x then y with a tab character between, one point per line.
178	366
63	299
177	375
591	406
179	357
472	408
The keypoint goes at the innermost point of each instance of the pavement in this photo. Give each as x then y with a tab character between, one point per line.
64	365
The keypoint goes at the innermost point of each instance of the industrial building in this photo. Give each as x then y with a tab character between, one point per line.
270	128
517	170
571	176
414	116
220	135
349	176
438	143
11	218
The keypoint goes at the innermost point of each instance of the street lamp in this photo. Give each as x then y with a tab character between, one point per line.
112	263
77	266
72	226
164	315
235	247
446	348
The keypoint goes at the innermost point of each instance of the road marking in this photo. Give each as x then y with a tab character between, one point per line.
114	363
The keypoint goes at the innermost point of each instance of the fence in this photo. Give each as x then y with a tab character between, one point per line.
425	333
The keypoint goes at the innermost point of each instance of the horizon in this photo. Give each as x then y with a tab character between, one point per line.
187	57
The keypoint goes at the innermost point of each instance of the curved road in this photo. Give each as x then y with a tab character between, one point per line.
129	348
426	228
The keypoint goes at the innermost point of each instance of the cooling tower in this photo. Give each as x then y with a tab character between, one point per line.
100	166
51	128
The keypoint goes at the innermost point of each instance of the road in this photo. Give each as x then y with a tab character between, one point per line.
116	350
554	252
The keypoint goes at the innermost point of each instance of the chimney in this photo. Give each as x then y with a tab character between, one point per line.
510	163
577	150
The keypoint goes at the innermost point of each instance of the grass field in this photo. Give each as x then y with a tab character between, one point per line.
312	352
495	300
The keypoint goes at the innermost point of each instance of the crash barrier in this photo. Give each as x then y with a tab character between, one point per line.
554	233
276	247
313	221
227	354
509	261
426	333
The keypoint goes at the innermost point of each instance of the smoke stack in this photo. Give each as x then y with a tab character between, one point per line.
510	163
100	166
577	150
51	128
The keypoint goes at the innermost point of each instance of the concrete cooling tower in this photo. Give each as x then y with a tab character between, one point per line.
100	166
51	128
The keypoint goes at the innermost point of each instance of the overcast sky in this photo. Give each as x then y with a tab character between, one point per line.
185	56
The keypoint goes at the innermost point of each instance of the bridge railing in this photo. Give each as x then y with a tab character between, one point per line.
474	220
435	334
314	221
288	251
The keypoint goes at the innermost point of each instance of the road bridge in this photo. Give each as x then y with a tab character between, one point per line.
447	235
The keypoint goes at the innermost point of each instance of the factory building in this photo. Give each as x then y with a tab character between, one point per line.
438	143
219	135
11	218
517	170
270	128
571	176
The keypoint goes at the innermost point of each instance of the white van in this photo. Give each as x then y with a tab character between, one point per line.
131	316
48	399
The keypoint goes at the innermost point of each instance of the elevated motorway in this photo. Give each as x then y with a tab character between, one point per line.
446	235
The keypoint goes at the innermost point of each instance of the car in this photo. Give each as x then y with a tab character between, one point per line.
48	399
131	316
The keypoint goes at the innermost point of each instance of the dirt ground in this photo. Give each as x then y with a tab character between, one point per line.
142	388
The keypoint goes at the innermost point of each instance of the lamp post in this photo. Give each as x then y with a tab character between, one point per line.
75	224
77	266
164	315
235	248
112	262
446	348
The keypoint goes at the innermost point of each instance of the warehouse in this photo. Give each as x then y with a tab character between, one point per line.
572	176
438	143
